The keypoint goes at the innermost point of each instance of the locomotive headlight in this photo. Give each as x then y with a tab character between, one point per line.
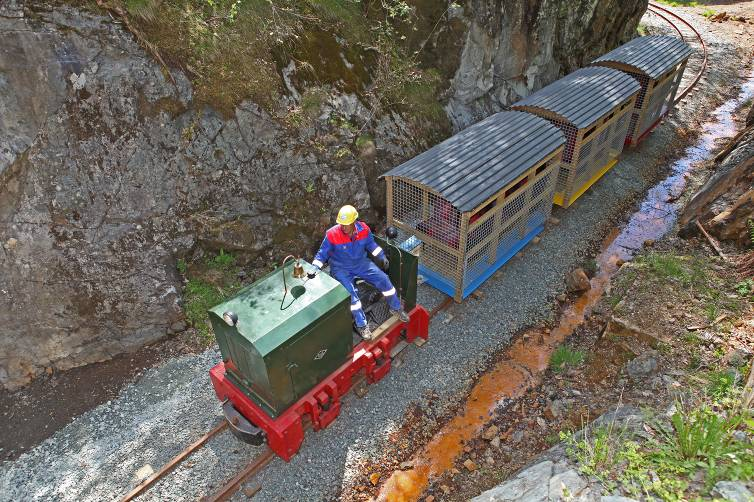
230	318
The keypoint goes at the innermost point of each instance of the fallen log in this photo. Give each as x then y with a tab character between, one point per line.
732	223
733	143
718	184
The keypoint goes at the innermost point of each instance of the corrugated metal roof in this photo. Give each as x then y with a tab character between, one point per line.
584	96
653	54
475	164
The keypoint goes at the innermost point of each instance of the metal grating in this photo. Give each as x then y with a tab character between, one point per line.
594	150
652	55
457	249
657	63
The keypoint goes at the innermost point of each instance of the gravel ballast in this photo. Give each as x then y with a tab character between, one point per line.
97	456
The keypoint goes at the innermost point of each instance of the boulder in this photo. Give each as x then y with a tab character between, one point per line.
734	491
577	281
644	365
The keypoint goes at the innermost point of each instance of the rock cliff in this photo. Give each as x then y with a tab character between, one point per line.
111	170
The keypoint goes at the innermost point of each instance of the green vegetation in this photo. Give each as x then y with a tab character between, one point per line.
642	30
221	261
236	49
693	273
679	3
210	282
200	296
721	384
745	288
363	140
673	459
708	13
565	357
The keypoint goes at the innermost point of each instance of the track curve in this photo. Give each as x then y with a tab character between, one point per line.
660	12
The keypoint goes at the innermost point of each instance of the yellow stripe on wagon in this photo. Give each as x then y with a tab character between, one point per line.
558	199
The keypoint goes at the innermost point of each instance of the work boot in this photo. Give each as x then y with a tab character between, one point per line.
402	315
364	332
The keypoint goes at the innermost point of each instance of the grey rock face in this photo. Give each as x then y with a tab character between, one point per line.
108	175
644	365
546	481
109	172
735	491
513	48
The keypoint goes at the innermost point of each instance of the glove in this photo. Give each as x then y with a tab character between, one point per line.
385	264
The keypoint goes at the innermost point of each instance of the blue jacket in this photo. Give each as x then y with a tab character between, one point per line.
348	252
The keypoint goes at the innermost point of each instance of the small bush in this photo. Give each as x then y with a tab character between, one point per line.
199	297
698	434
745	288
721	384
565	357
181	266
223	261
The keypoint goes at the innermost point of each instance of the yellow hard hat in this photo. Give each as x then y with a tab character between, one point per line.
347	215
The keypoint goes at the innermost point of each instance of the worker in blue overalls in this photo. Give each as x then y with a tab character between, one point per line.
346	246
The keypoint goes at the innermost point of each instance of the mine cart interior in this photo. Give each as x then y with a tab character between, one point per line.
593	108
470	203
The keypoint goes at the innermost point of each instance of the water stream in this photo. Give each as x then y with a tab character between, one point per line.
525	361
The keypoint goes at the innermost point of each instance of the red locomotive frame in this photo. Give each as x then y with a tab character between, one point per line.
321	405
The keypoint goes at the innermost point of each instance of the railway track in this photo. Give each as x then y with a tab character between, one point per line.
690	35
685	30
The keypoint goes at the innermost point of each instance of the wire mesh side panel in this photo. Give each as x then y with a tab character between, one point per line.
660	91
602	147
504	228
567	164
643	80
429	225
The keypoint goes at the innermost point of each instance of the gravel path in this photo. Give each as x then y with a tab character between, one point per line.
97	456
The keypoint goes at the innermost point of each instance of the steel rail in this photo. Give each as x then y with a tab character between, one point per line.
141	487
256	464
654	8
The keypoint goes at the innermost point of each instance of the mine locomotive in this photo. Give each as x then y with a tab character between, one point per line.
290	351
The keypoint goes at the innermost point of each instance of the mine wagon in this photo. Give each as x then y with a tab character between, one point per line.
593	107
470	203
657	62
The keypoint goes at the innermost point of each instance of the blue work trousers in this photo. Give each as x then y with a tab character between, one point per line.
374	276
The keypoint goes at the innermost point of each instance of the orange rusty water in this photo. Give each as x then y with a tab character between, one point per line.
519	370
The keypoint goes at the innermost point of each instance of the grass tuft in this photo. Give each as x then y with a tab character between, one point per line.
565	357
